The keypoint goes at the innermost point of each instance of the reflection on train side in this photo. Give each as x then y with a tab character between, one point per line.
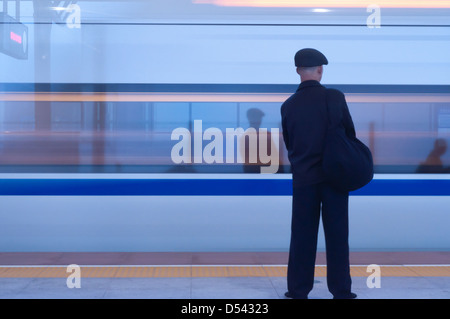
405	136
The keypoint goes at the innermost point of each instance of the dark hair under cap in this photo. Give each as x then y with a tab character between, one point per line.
309	58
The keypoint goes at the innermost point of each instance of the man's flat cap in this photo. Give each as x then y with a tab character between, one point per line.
255	113
310	57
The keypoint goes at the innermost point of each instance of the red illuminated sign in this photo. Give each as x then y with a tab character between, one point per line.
15	37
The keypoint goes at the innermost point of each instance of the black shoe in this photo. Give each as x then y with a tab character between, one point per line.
287	294
351	296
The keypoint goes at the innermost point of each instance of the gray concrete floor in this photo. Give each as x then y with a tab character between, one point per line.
213	288
208	287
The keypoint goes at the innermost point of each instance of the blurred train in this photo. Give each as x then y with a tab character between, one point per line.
115	133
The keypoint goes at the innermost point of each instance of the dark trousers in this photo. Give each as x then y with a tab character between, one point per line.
307	203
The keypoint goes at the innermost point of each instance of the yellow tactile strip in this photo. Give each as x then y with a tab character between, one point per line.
208	271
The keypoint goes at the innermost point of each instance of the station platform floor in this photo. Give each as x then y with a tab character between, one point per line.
218	275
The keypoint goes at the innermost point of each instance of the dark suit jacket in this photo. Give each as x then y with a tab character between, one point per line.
304	119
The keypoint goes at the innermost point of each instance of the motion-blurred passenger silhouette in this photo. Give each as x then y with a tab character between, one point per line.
433	163
249	145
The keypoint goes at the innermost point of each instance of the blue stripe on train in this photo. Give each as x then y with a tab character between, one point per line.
205	187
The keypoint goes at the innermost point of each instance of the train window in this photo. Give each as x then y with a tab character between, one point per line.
16	116
405	136
65	116
168	116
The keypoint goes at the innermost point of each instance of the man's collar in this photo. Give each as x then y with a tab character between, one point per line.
308	83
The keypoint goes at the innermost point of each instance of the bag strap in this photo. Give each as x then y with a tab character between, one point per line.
332	113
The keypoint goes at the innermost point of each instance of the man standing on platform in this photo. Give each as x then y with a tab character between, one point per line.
304	123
